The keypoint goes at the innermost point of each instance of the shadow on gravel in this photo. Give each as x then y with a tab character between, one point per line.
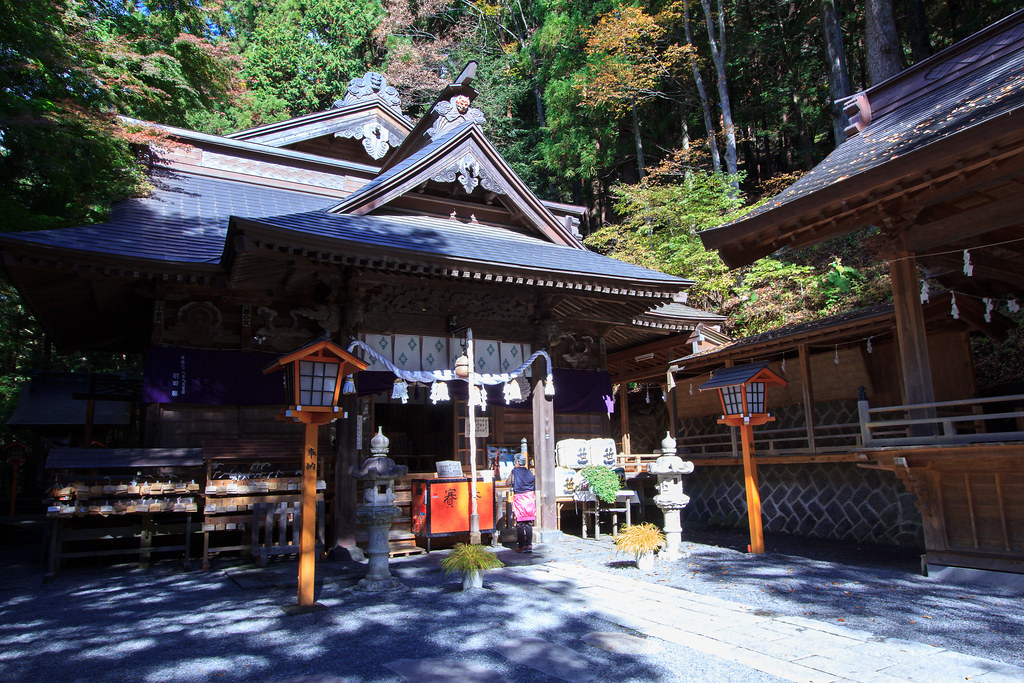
163	624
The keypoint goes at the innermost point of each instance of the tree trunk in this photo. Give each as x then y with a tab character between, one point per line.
881	44
917	31
717	41
638	142
838	74
684	143
705	105
806	150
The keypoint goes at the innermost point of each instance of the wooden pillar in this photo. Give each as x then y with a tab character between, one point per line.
624	416
673	410
307	537
347	455
753	497
544	449
912	337
808	392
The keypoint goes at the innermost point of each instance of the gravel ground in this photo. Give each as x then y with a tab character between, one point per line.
872	588
104	623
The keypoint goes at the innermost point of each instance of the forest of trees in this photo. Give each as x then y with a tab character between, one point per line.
664	118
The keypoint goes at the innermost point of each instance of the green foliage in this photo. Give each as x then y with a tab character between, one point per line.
999	364
304	52
466	557
661	218
603	481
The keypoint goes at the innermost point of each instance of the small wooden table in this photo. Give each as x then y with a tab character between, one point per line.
624	500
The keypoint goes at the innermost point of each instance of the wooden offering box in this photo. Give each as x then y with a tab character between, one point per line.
441	507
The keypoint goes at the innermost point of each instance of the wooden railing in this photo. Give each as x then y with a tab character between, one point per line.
836	438
940	423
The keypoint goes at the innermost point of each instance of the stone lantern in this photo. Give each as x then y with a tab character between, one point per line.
670	469
378	511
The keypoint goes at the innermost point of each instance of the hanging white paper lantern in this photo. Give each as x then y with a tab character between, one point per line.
400	390
438	391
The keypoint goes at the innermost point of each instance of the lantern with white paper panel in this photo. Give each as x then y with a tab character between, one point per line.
743	391
313	377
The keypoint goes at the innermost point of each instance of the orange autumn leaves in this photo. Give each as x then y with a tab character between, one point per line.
630	59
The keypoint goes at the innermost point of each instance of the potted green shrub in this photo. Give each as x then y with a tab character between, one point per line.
641	541
471	560
602	482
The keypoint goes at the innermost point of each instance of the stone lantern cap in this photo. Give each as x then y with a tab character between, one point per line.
378	467
671	464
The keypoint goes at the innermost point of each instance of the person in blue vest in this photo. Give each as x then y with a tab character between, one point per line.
524	503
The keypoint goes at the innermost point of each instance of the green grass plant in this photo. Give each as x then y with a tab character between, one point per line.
470	557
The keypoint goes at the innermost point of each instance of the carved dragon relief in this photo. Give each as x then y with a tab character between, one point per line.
466	171
197	323
453	112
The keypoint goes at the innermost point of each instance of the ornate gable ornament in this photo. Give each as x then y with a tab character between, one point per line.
467	172
370	85
376	138
452	112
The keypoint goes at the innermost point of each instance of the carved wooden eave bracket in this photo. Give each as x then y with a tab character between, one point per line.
913	482
468	173
375	137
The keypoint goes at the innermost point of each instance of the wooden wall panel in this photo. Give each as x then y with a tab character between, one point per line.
986	511
952	374
1012	491
956	511
184	426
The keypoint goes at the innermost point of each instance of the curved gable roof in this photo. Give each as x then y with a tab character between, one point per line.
443	160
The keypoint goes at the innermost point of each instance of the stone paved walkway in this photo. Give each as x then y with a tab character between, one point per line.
792	648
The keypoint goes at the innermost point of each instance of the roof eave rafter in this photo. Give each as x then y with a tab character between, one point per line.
863	197
272	242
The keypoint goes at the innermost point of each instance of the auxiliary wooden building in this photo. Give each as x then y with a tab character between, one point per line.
349	224
932	171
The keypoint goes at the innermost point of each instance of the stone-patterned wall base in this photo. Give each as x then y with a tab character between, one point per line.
837	501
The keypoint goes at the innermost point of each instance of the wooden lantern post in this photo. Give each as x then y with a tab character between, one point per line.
743	390
313	381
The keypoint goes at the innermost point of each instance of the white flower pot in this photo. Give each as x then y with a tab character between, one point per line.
472	579
645	562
